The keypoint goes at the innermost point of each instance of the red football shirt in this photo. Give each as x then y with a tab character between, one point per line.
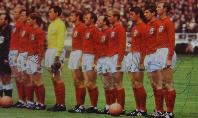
36	42
139	35
166	36
152	41
103	43
77	36
90	39
14	42
117	42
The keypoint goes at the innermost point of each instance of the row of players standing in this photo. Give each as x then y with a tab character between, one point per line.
103	49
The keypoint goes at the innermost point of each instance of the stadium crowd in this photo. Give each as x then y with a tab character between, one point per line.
183	11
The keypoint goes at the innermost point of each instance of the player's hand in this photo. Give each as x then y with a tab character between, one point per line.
118	67
168	63
15	59
95	68
57	59
5	61
141	67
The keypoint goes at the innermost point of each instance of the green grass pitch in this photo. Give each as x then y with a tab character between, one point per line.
186	83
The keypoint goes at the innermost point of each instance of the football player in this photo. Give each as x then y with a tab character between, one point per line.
166	55
54	56
5	71
117	47
135	61
75	59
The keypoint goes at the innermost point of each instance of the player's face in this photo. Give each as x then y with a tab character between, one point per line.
87	19
23	16
29	21
133	16
2	20
100	21
16	13
73	18
111	17
52	14
148	15
160	8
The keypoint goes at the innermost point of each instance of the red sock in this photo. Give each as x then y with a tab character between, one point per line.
93	94
29	92
141	93
121	97
21	90
60	93
159	100
80	95
170	100
137	100
107	96
113	96
40	94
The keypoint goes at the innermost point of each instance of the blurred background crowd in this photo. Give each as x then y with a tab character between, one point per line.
184	13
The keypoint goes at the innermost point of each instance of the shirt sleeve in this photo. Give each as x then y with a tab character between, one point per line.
121	45
171	40
143	44
41	45
61	35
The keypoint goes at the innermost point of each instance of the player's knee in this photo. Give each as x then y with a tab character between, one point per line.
137	84
90	84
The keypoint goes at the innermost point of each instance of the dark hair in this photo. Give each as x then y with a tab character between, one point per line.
37	17
24	10
56	9
79	14
151	8
139	11
106	20
167	6
93	16
7	17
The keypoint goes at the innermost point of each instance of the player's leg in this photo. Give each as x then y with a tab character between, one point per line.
19	81
57	80
136	76
80	91
170	93
39	91
90	81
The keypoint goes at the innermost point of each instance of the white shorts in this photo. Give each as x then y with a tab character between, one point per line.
32	65
162	55
87	62
151	63
75	59
102	65
132	62
21	61
112	63
12	55
50	57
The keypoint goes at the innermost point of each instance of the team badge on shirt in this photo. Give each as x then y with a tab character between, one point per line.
135	33
33	37
87	36
75	34
151	31
103	39
2	39
23	33
112	34
161	28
